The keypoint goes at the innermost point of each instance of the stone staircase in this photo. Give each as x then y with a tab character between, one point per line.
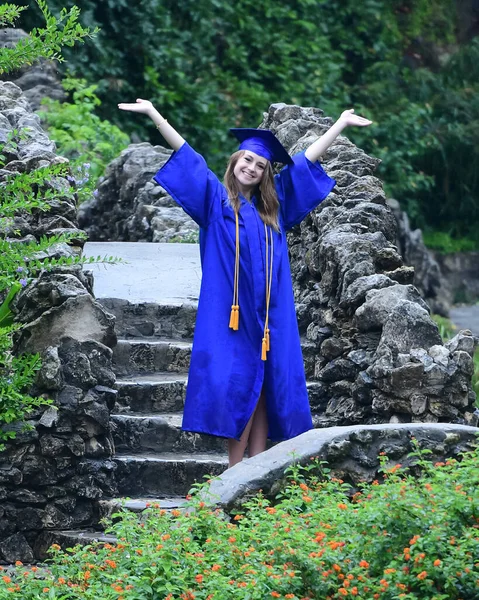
154	457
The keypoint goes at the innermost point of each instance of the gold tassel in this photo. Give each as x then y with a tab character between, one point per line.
267	340
263	349
234	317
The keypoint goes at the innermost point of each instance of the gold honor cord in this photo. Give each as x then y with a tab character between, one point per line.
269	281
234	315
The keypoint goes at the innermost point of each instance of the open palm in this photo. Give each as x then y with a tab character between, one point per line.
350	119
141	106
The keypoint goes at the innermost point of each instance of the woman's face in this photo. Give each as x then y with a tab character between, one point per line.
249	171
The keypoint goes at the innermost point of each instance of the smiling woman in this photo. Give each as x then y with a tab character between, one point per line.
246	381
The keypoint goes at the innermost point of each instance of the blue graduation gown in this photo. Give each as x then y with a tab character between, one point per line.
226	371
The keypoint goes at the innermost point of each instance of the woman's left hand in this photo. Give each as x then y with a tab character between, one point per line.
349	118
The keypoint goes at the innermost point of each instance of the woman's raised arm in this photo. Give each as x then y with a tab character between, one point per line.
171	136
346	119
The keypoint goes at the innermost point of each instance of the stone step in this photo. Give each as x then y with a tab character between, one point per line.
160	393
166	474
110	506
107	508
159	433
140	355
68	539
156	393
151	320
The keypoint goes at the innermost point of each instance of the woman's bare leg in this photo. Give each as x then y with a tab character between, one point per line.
259	428
236	448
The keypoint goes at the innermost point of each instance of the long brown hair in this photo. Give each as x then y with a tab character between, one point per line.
268	204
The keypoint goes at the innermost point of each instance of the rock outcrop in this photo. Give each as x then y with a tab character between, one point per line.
37	81
130	207
376	353
428	276
54	472
350	452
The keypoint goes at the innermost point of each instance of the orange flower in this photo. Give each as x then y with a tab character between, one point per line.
139	551
422	575
165	537
111	563
6	579
216	567
87	575
18	563
289	596
238	517
342	506
354	591
159	546
304	487
343	591
275	595
176	513
61	580
270	510
45	590
336	567
307	499
199	578
364	564
54	547
437	562
232	539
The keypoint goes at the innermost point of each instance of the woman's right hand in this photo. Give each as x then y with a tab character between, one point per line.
141	106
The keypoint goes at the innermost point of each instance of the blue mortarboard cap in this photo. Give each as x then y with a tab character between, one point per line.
262	142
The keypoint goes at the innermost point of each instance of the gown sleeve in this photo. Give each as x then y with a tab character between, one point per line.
186	177
301	186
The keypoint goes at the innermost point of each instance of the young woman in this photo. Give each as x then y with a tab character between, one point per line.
246	380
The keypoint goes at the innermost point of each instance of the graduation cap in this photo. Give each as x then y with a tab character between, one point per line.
262	142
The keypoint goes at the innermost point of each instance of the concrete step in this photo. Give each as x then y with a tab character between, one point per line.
166	474
140	355
159	433
152	320
156	393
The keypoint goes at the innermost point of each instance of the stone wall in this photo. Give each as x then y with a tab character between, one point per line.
37	81
351	453
461	272
372	347
130	207
52	475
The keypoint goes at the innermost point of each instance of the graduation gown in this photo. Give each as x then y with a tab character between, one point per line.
226	372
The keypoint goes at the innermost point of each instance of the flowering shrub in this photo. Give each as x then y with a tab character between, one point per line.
410	538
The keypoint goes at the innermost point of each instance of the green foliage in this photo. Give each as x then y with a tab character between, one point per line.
45	42
410	537
445	243
28	193
448	330
80	135
16	377
212	64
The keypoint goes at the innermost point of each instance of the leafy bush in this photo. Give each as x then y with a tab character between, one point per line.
444	242
210	65
24	194
411	537
80	135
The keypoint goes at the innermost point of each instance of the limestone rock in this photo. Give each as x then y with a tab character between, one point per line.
130	206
